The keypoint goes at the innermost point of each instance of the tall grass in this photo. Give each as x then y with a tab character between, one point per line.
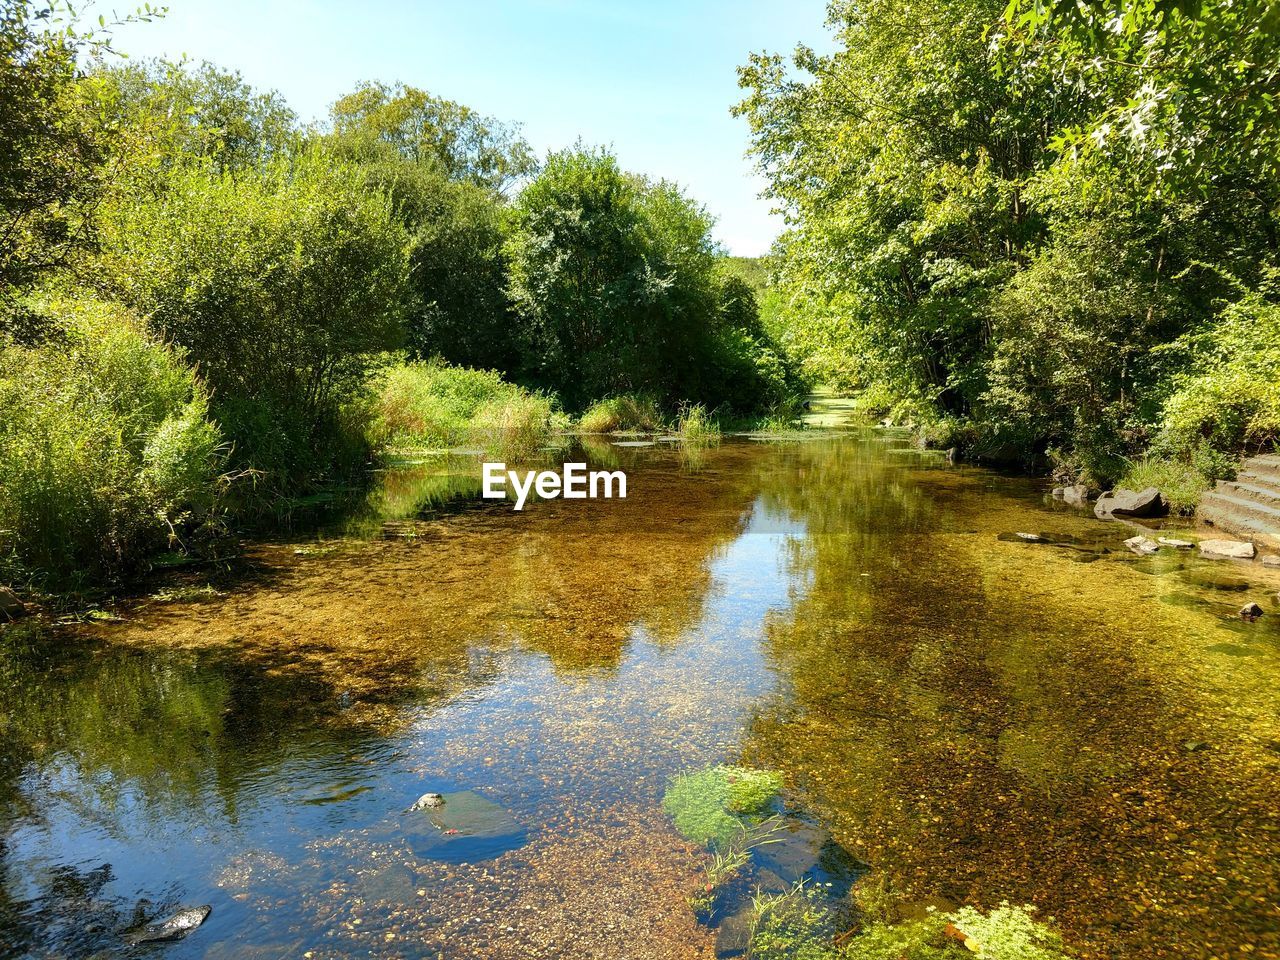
106	448
695	425
436	406
622	413
1181	484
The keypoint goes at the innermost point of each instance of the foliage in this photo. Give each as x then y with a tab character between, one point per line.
52	149
283	286
433	405
431	131
106	449
1181	484
956	248
625	413
714	804
1184	90
1009	933
444	168
694	424
616	289
796	925
1230	398
177	111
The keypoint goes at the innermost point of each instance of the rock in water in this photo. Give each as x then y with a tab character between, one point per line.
1127	503
1272	560
1030	537
1144	545
173	927
1229	549
464	828
1251	611
1174	542
428	800
1076	495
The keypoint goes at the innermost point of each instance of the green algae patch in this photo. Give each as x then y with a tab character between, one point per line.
717	804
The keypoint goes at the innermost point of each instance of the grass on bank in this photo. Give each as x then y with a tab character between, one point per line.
431	405
107	451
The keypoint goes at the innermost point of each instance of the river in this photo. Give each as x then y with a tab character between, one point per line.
974	716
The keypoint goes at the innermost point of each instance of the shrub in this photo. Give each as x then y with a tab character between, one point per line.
106	448
626	412
1230	402
282	285
436	405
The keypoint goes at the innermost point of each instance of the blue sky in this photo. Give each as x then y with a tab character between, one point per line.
654	80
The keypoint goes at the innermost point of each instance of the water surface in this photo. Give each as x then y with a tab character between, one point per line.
976	717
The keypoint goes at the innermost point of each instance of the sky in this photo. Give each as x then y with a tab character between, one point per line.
653	79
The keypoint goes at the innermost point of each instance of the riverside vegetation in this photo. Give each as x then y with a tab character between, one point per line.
212	312
1045	233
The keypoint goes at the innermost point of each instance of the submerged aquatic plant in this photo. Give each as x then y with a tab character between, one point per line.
803	923
1008	933
714	805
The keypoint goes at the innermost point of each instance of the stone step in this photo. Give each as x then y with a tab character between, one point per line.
1241	516
1248	489
1266	481
1266	465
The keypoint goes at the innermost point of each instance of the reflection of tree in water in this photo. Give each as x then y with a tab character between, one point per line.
977	735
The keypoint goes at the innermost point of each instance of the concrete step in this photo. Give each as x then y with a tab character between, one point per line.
1244	517
1266	465
1262	492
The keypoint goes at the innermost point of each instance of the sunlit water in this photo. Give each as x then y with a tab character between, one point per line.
975	717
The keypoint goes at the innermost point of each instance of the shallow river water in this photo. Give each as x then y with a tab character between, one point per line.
975	717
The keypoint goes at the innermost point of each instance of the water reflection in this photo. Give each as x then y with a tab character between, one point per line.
977	717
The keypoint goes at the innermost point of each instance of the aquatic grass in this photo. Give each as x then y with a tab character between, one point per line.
622	413
804	922
695	425
727	864
434	405
713	805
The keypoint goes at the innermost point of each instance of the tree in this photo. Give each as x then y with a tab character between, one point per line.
282	285
413	124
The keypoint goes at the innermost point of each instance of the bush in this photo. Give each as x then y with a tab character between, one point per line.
627	412
282	286
1230	402
434	405
106	449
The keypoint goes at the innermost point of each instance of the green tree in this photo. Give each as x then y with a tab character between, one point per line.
282	285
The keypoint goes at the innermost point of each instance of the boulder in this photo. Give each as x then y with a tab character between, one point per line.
1251	611
1127	503
10	606
1142	545
1077	494
1228	549
1058	492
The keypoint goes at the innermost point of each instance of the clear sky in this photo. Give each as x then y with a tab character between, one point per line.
654	79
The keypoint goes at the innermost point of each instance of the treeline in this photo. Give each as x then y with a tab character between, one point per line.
1041	231
210	309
